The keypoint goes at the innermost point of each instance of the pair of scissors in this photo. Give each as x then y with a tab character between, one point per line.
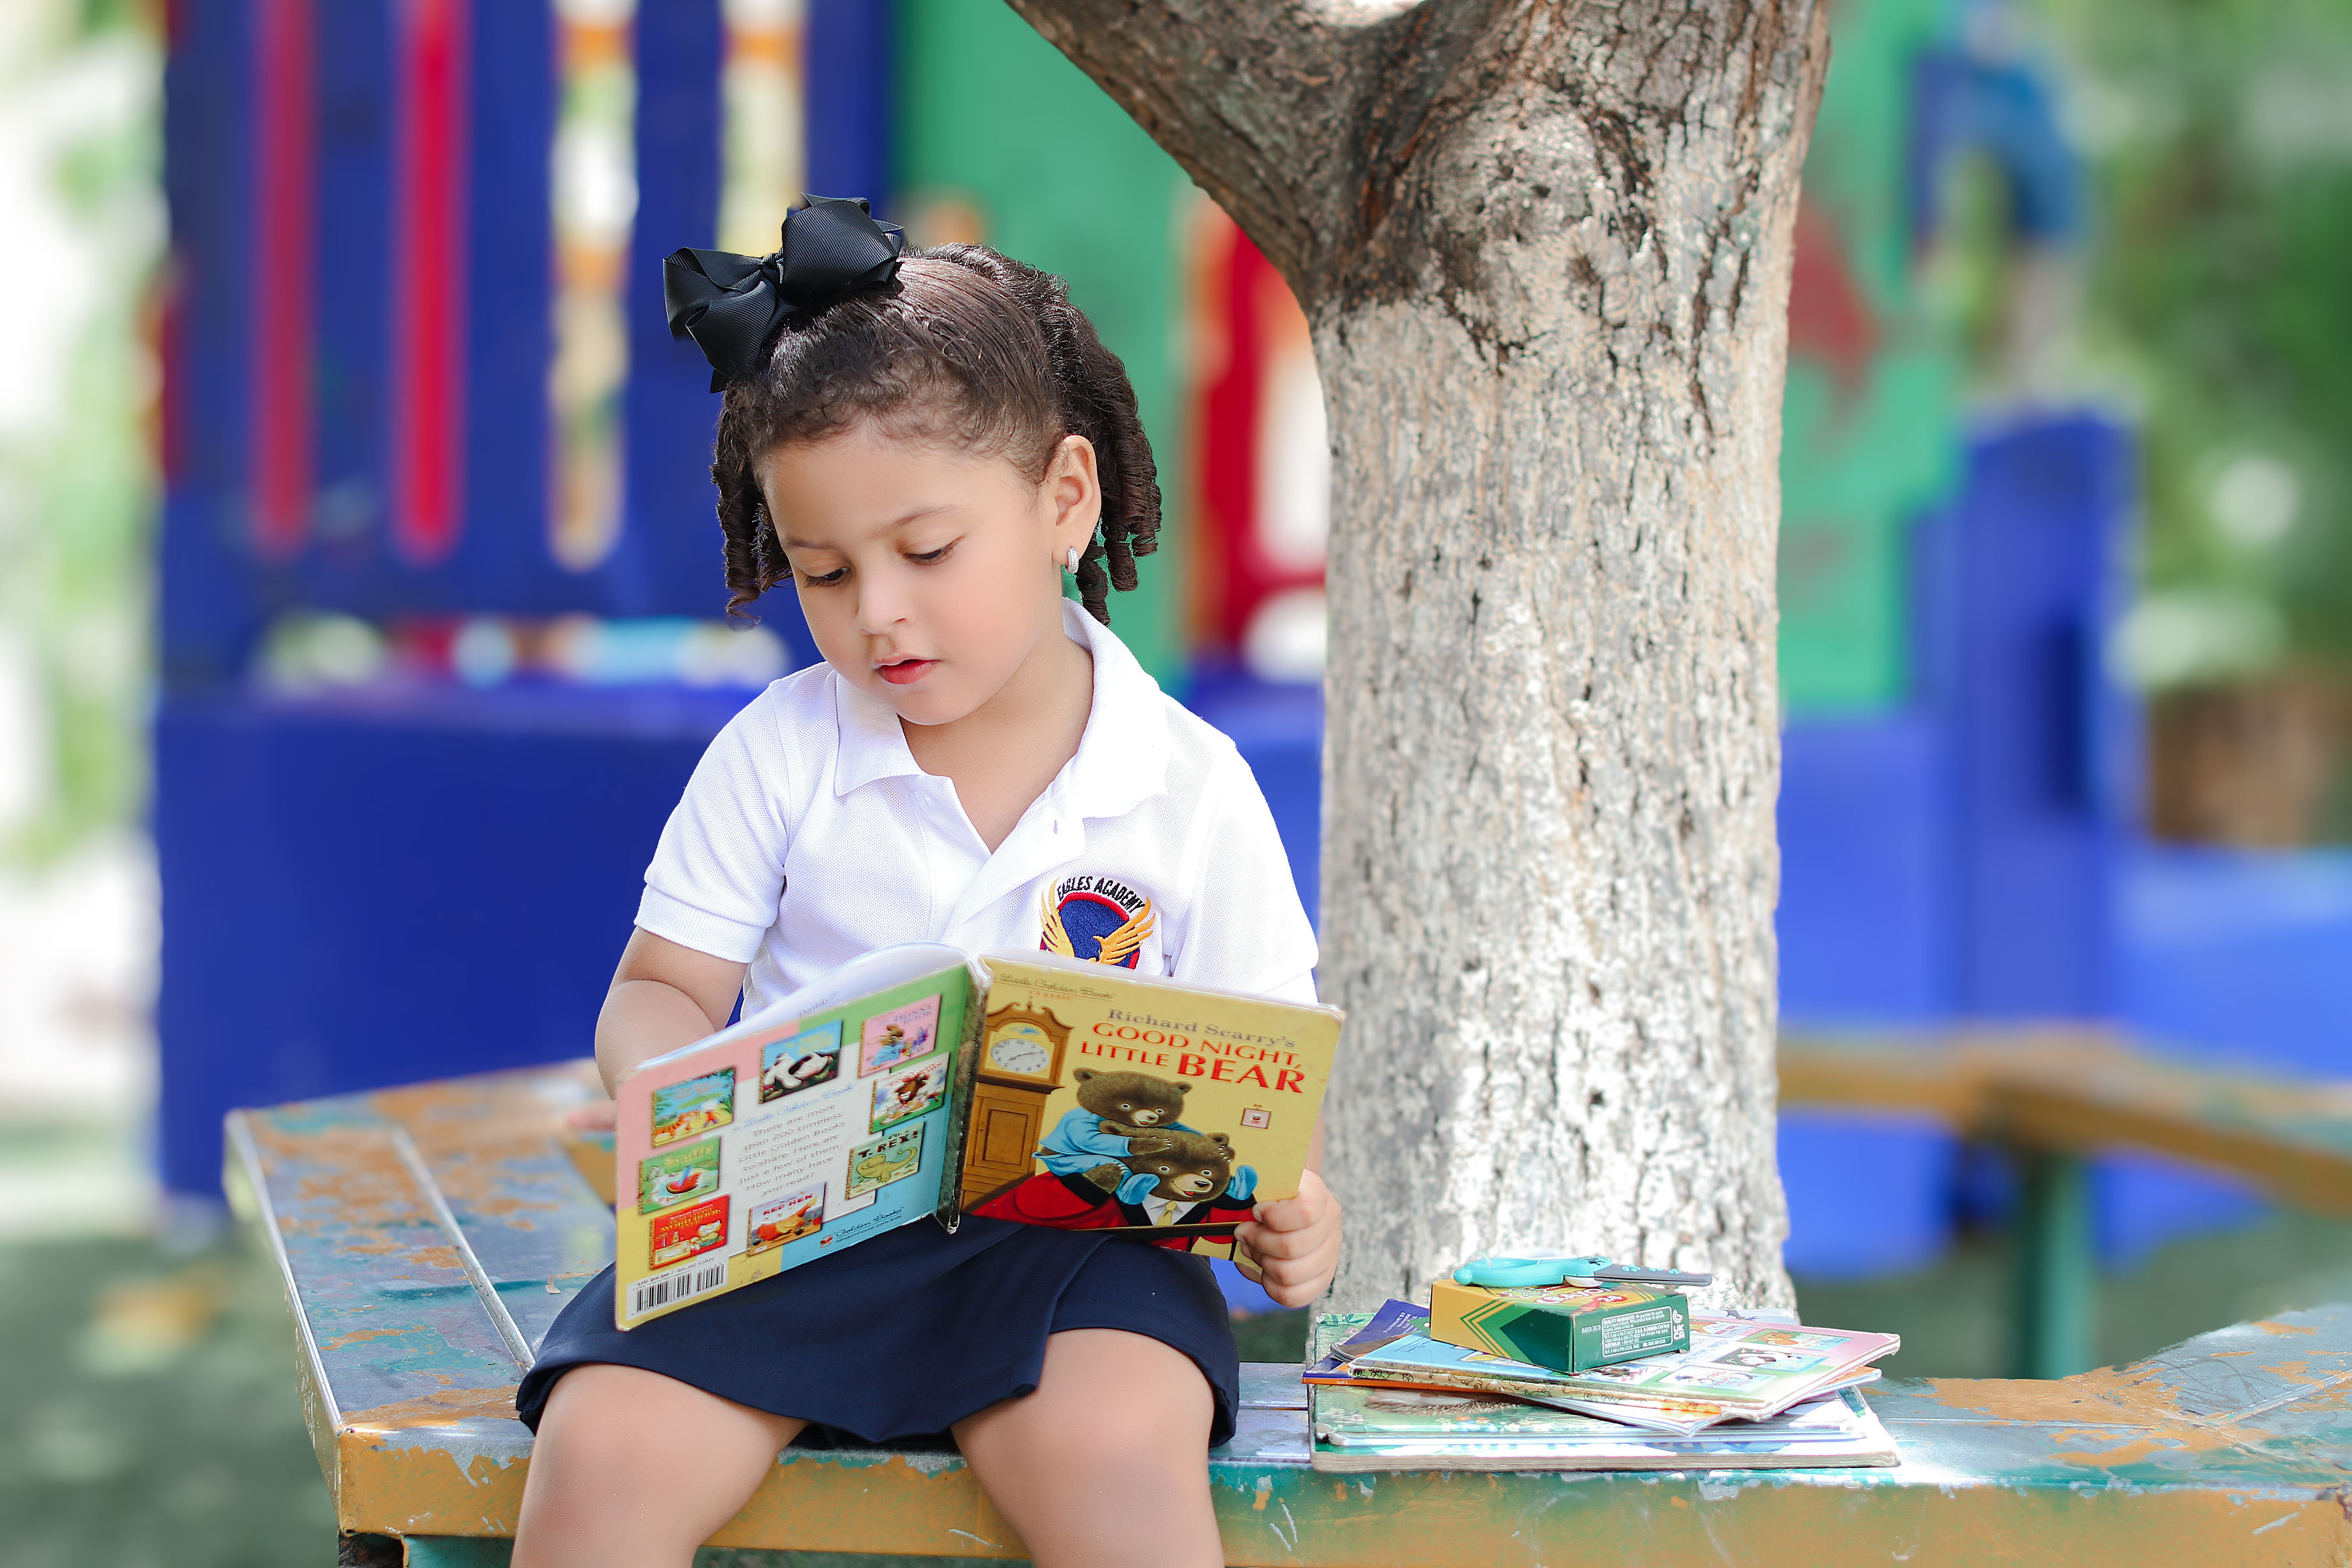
1533	1268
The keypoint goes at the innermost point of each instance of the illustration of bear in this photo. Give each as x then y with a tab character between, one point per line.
1121	1158
1113	1108
1183	1177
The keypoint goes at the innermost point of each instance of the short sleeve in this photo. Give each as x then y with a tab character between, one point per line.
1245	929
719	872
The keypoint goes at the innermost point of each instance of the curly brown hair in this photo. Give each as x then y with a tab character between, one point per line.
964	347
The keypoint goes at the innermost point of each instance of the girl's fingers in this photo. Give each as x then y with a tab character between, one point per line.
1297	1242
1296	1282
1312	1207
1287	1215
1297	1295
1300	1265
1294	1240
1269	1242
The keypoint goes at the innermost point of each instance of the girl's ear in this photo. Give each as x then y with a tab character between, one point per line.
1072	488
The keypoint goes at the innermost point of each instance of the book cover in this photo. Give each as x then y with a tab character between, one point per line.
1686	1418
810	1127
1370	1417
1364	1332
1102	1100
916	1081
1839	1432
1350	1362
1739	1367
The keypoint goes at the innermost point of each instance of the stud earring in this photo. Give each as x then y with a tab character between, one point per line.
1074	560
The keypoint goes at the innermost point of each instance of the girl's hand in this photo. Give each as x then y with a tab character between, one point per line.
1297	1242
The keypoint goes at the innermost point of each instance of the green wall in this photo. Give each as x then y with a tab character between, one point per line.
1066	181
1859	463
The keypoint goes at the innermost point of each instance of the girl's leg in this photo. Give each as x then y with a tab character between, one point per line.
1103	1467
636	1470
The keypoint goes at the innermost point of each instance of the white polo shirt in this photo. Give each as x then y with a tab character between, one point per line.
808	835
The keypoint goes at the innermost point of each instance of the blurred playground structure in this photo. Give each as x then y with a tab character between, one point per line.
437	635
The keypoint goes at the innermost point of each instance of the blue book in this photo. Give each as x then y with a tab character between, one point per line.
1366	1333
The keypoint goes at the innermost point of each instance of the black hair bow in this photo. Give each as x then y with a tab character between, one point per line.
731	305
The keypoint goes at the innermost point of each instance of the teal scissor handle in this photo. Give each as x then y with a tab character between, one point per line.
1503	1270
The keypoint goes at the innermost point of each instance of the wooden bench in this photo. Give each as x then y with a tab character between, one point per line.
428	1236
2055	1096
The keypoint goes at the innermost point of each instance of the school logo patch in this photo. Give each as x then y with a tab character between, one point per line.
1096	918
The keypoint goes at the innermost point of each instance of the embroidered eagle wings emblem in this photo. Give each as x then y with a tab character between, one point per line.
1117	946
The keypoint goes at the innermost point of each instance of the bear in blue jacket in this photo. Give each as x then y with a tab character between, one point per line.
1183	1177
1114	1109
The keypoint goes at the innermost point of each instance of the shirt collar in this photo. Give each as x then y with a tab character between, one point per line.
1122	758
873	746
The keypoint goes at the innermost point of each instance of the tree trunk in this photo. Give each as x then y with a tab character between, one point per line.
1544	247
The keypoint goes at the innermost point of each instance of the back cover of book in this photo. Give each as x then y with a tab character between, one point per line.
773	1144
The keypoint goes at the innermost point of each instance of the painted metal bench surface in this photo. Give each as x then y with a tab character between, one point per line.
429	1236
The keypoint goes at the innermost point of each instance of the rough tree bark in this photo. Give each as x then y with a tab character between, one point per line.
1543	246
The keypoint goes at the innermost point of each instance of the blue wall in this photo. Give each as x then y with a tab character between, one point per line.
1958	859
390	887
354	899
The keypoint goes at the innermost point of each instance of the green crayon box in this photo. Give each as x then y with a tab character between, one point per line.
1567	1327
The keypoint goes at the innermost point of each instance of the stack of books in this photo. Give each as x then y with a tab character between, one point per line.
1747	1394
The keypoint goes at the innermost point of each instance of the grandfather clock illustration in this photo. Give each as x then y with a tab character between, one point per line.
1020	1067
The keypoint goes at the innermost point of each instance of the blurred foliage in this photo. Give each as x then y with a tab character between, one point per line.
82	81
2221	135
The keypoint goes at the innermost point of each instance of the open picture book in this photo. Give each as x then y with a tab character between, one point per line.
920	1082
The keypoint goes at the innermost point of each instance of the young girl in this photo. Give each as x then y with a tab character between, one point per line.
922	446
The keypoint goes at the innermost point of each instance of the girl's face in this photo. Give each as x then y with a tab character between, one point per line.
929	576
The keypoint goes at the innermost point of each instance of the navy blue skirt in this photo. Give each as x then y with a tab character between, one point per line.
910	1331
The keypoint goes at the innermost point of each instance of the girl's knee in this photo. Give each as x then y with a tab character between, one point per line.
632	1468
595	1415
1126	1431
607	1430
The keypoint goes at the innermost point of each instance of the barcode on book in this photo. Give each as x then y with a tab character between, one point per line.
664	1289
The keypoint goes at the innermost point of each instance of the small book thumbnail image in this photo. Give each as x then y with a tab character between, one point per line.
1764	1358
789	1218
903	1096
893	1157
1710	1377
688	1233
676	1176
689	1109
798	1061
898	1035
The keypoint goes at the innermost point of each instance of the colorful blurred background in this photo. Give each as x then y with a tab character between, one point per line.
360	612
